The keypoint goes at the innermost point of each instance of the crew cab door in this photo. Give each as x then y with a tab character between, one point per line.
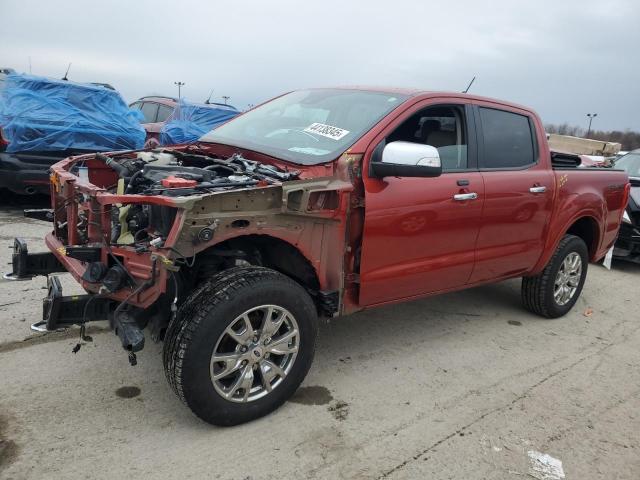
519	188
419	233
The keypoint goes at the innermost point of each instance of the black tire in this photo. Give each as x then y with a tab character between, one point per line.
538	291
202	319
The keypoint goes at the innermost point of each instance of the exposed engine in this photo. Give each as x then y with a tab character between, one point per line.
174	173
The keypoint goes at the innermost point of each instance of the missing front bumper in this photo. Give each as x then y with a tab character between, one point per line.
59	311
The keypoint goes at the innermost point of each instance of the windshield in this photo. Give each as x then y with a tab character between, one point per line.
308	126
630	163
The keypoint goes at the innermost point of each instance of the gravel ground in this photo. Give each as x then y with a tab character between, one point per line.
461	386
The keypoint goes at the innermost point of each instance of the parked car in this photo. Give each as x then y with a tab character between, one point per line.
155	110
627	245
229	249
44	120
3	74
189	121
105	85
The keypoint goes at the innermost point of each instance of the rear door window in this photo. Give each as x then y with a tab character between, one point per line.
508	140
163	113
150	111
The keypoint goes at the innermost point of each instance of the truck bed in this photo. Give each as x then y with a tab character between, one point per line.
594	193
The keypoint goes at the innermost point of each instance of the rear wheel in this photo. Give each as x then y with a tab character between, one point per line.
555	291
241	345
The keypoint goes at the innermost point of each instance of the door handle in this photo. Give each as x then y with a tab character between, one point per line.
538	189
461	197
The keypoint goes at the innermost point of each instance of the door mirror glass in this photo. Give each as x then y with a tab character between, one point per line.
408	159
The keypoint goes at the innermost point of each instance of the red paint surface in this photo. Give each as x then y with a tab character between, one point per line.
414	239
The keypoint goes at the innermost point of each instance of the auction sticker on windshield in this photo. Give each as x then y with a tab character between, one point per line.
326	131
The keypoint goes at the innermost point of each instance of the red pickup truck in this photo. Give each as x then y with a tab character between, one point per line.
320	202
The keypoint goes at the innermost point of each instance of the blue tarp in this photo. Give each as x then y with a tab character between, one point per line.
43	114
190	121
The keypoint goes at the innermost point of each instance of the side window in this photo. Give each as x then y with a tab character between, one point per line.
163	113
442	127
135	105
149	110
508	139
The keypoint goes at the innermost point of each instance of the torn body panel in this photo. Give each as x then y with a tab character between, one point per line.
244	211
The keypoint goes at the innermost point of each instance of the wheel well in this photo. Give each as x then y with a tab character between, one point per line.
262	250
587	229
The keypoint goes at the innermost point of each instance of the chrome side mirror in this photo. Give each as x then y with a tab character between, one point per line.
408	159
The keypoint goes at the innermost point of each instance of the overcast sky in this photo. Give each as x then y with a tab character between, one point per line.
565	58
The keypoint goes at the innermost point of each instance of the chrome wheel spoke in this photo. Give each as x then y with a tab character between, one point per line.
557	292
244	381
247	382
270	326
232	362
245	334
269	372
280	345
575	264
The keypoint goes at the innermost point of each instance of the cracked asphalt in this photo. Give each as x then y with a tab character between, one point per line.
459	386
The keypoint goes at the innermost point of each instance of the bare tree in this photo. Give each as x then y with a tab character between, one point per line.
629	139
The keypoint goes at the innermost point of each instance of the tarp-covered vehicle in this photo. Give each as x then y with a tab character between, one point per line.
43	120
190	121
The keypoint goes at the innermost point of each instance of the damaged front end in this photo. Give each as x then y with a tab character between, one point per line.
115	226
128	227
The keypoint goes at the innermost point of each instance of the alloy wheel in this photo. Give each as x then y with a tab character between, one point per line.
567	279
255	353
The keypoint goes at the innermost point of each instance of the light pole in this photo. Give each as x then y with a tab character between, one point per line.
180	85
225	98
591	117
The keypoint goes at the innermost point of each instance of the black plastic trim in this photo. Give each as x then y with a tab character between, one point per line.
59	311
381	170
27	265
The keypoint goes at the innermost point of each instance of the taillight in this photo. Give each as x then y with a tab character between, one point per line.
625	201
625	196
4	142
